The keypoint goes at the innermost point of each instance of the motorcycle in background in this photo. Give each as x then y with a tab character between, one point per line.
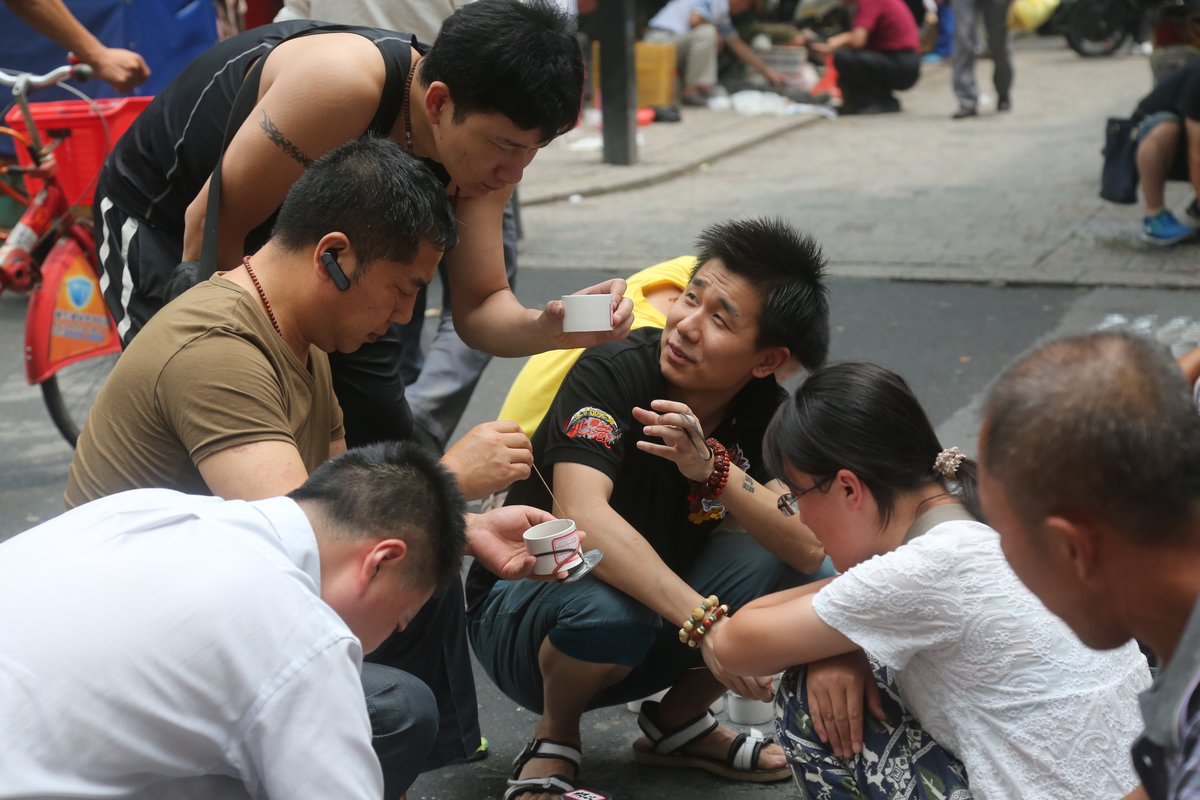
1099	27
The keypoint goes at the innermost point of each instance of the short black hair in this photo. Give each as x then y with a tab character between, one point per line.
386	201
865	419
394	490
787	267
519	59
1097	426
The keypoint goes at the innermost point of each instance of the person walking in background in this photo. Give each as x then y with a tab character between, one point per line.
966	39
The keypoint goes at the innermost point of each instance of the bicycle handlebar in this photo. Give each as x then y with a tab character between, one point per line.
23	82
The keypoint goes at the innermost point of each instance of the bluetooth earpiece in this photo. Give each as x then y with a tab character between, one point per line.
330	261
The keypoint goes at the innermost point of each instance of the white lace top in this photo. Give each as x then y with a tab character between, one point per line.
989	672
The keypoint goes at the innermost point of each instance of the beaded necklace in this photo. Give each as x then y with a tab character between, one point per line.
262	295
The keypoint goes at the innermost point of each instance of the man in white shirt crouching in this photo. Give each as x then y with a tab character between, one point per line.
157	644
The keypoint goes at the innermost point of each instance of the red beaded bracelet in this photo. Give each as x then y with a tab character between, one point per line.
719	476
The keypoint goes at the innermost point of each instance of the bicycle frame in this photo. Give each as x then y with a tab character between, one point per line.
67	320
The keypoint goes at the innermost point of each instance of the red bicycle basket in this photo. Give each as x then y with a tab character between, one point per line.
84	146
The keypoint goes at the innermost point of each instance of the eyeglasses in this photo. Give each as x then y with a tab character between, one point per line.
789	502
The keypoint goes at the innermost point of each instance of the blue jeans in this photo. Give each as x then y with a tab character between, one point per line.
591	621
404	724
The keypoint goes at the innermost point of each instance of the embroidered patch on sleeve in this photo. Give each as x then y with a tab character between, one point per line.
592	423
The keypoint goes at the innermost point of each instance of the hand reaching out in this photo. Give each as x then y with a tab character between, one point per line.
123	69
495	540
622	317
489	457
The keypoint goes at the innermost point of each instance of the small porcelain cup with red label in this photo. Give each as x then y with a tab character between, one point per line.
555	544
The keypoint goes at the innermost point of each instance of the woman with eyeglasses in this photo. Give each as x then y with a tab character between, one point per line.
984	693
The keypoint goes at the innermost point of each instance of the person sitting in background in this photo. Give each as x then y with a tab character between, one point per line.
973	670
880	54
1090	455
197	647
1169	149
677	516
697	28
122	69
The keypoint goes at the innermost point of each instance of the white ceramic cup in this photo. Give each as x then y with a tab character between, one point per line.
587	312
556	546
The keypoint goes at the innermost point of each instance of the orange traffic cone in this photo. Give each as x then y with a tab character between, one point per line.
828	82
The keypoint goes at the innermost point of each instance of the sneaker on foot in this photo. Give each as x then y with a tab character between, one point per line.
964	112
1004	104
1164	230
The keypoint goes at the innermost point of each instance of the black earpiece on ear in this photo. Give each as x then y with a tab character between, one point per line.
329	259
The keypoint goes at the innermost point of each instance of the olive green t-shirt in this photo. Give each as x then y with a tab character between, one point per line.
207	373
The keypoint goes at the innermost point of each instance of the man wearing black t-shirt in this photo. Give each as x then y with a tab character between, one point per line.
1169	149
624	449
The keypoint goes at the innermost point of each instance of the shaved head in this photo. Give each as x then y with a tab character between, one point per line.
1097	426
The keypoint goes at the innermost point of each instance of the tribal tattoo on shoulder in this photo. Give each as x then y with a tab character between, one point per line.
275	135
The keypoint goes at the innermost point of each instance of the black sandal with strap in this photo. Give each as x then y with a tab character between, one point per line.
554	784
740	763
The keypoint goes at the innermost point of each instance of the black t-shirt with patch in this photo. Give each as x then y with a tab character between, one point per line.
1178	92
591	422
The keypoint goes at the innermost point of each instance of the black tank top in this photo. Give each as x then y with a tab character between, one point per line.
160	164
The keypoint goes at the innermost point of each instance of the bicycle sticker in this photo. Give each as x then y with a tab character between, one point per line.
80	321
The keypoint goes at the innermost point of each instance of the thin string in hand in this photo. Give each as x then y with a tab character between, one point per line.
553	500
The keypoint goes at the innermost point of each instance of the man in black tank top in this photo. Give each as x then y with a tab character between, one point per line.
503	79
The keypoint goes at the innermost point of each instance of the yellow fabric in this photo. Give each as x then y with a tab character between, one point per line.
1028	15
538	382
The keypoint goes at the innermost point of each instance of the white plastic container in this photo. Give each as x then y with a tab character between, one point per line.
746	711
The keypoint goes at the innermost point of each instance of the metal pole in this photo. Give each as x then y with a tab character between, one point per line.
618	80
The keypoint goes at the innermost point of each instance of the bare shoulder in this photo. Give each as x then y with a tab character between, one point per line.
344	68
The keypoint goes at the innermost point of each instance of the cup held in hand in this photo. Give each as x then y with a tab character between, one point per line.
587	312
555	544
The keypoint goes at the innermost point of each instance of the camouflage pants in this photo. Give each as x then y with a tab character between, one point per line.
899	761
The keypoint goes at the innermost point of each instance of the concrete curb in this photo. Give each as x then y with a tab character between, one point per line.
639	175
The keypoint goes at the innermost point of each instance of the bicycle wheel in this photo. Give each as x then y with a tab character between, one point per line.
1098	27
70	392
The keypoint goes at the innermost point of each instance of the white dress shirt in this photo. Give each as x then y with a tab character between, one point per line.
159	645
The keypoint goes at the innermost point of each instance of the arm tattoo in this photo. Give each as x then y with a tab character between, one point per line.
748	485
275	135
